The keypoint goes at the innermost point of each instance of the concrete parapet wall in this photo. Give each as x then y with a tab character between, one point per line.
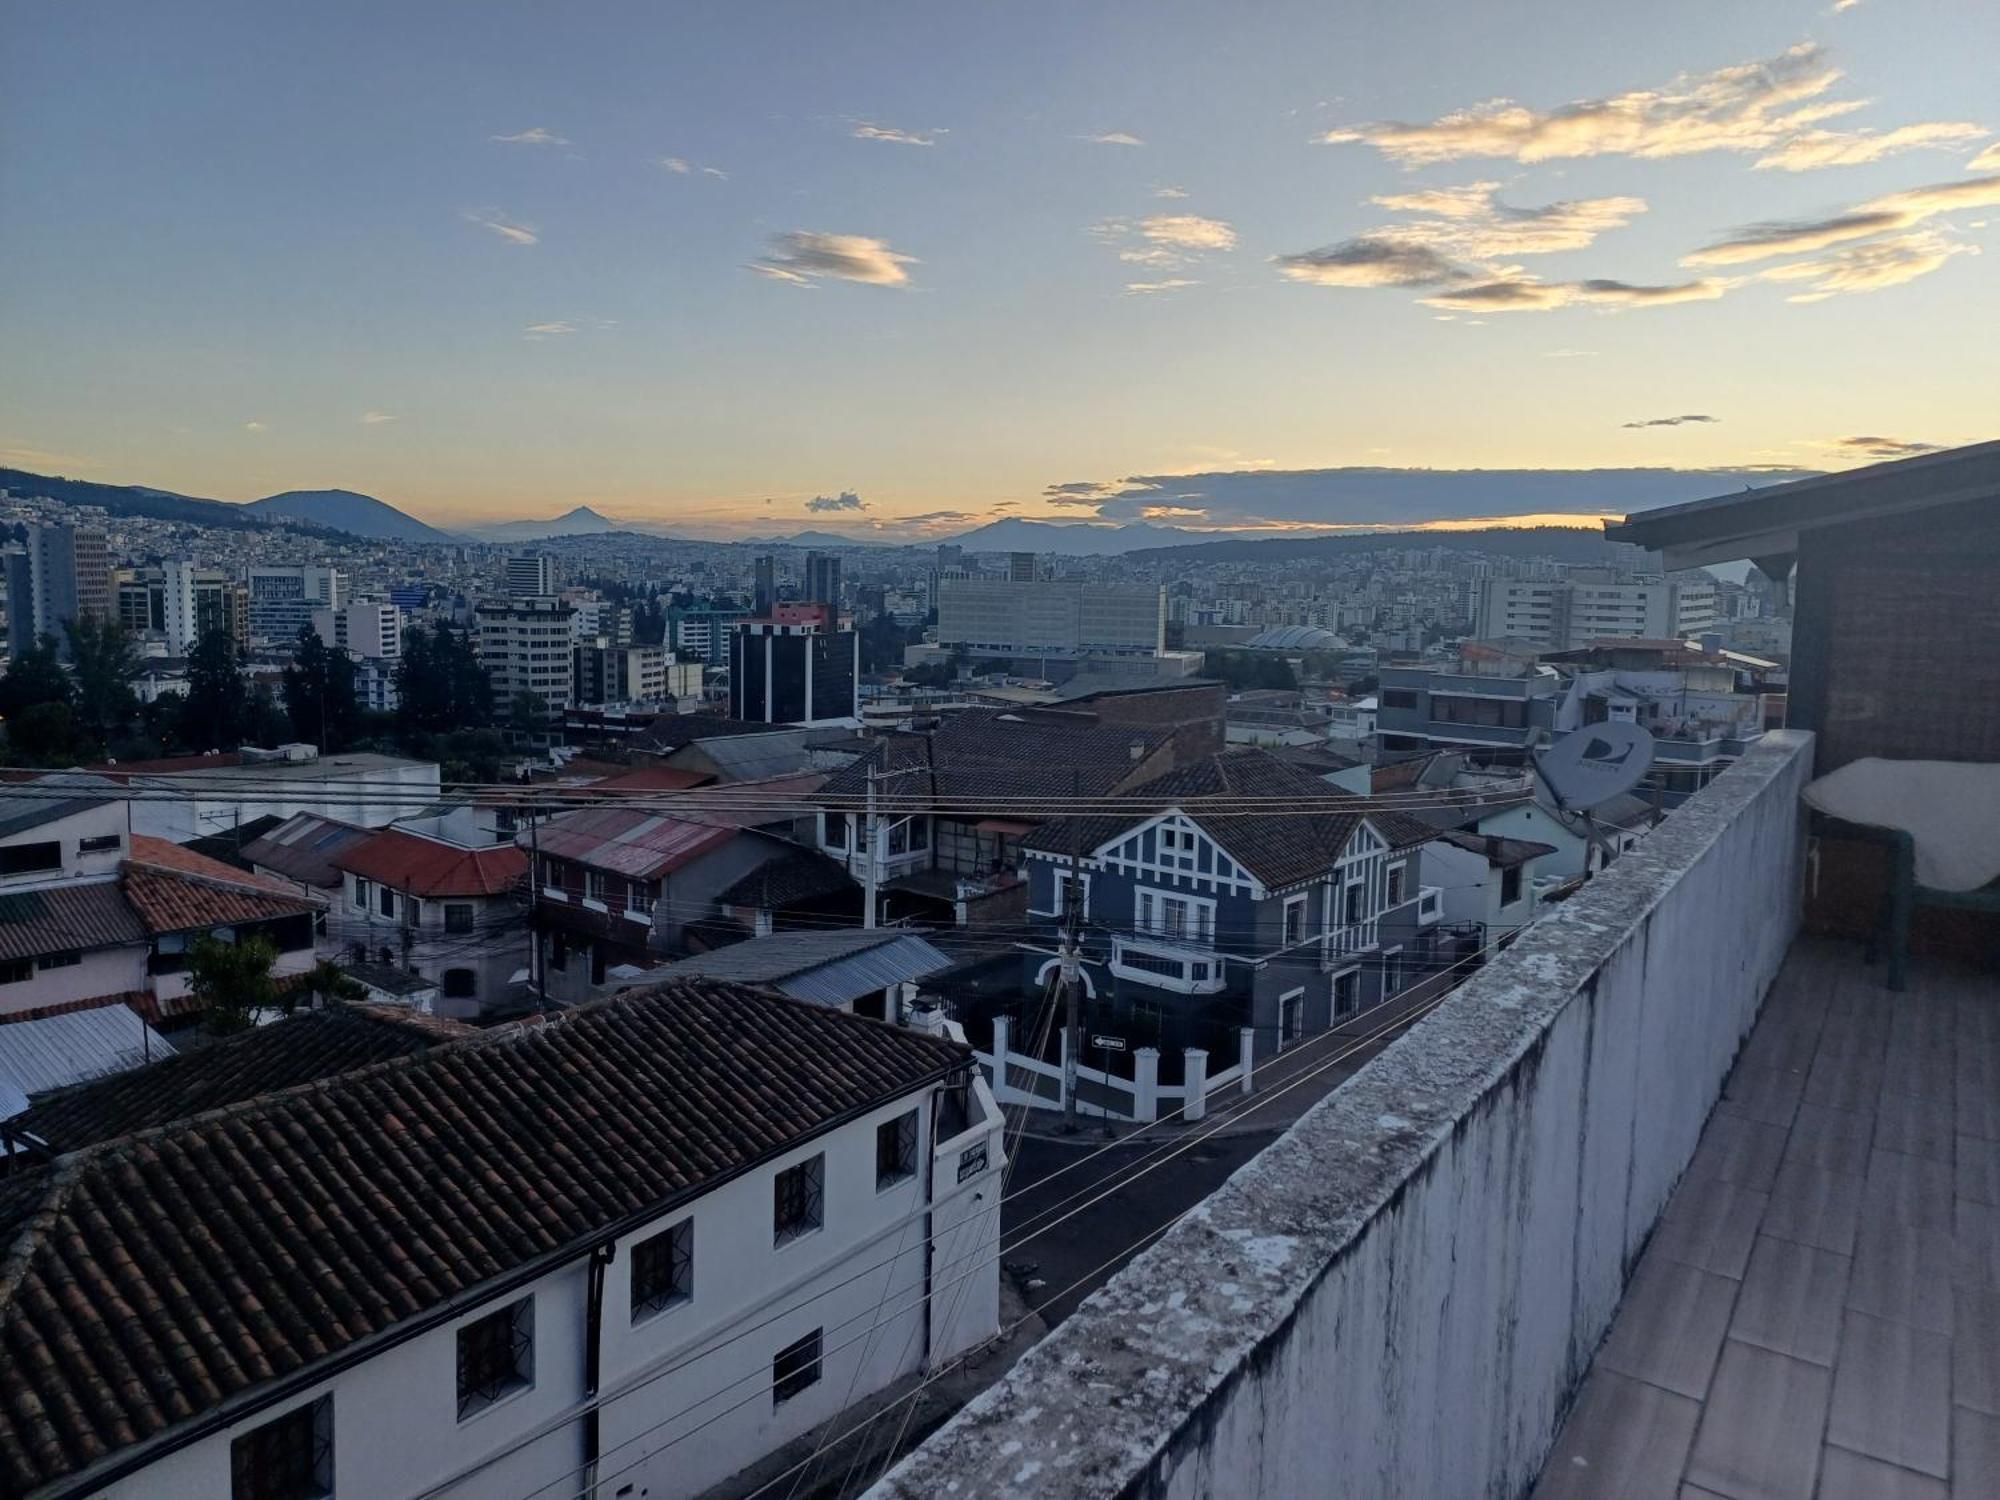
1399	1297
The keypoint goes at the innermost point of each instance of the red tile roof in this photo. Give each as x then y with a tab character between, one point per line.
629	841
152	1277
173	889
429	867
73	917
651	779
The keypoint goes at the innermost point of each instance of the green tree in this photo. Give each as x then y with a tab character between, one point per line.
319	693
216	708
440	684
264	722
232	982
36	676
104	662
528	712
322	985
44	734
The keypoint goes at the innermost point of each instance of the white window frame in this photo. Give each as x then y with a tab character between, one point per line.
362	895
1284	1000
1148	921
1285	938
1392	963
1337	1015
1061	876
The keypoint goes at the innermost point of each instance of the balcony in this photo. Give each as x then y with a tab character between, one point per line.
1408	1289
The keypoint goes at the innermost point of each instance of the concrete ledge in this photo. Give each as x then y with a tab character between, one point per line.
1399	1296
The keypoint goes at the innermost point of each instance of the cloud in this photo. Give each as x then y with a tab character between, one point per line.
555	330
253	426
1800	236
1472	221
845	500
801	255
1672	421
512	233
1986	161
1188	232
539	135
1373	260
1085	492
1170	192
1165	241
1117	138
1880	263
1812	149
1527	294
867	132
934	517
1885	447
1170	284
678	164
376	418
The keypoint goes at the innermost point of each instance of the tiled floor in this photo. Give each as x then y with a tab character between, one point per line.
1818	1313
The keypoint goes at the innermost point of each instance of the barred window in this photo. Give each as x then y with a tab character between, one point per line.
287	1458
663	1270
796	1368
798	1199
896	1150
496	1356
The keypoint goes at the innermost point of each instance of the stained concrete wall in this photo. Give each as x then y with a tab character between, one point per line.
1400	1296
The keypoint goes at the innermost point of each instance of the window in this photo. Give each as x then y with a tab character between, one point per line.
1397	698
288	1458
1346	993
1507	713
458	984
1395	895
595	885
1510	885
639	896
1355	906
1072	889
16	970
30	859
1174	916
496	1357
1392	972
58	960
558	952
895	1150
103	843
1295	920
836	830
798	1200
458	916
1291	1017
663	1270
387	904
795	1370
361	892
1151	963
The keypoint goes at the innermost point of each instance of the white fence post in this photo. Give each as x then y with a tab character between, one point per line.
1001	1026
1247	1040
1146	1085
1195	1105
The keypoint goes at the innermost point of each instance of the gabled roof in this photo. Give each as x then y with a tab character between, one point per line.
671	731
303	846
1281	823
301	1048
996	755
72	917
431	868
627	841
173	889
831	967
47	798
804	876
154	1276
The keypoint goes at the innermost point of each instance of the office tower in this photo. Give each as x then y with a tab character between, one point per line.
1052	616
794	670
366	628
63	574
220	603
282	600
180	615
530	576
823	579
1022	567
524	645
765	593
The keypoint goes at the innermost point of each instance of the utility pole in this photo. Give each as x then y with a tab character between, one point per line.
868	876
537	974
1071	962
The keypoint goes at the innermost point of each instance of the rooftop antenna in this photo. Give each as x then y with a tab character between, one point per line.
1589	766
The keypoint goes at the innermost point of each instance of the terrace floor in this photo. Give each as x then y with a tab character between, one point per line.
1817	1316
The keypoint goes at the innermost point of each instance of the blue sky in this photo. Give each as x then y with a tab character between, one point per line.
442	253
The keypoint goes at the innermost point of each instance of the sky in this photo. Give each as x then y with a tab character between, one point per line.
902	269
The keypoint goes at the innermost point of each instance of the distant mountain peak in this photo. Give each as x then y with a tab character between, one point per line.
346	510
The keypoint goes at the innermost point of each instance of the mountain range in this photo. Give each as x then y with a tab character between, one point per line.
582	521
344	510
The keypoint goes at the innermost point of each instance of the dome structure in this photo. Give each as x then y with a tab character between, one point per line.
1296	638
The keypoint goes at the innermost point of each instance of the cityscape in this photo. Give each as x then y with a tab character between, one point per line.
606	961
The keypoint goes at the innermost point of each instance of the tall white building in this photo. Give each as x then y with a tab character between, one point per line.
366	628
181	613
63	574
282	600
1005	617
531	575
1567	614
524	644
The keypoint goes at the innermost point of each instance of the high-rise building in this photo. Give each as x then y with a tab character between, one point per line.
221	603
282	600
704	631
796	669
531	575
607	673
1006	618
139	600
765	592
366	628
180	615
1567	614
524	645
63	574
1023	567
823	579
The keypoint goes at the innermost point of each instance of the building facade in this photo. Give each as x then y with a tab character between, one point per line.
524	645
1010	618
282	600
793	672
1565	614
63	574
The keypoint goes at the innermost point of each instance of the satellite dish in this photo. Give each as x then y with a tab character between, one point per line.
1591	765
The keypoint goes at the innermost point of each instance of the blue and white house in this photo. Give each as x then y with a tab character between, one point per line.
1211	912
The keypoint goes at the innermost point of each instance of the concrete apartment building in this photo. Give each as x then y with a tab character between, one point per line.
1068	617
607	673
1563	614
283	600
367	628
63	574
524	644
532	575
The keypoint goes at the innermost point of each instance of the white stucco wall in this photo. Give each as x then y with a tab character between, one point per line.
101	971
1399	1297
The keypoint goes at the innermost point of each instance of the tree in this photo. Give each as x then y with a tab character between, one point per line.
217	705
104	662
44	734
440	684
36	676
232	982
319	693
528	712
322	985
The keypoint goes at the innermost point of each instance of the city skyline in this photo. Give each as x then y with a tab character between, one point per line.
901	278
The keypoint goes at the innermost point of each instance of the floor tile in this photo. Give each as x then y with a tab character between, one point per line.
1736	1149
1978	1091
1892	1394
1975	1346
1978	1247
1915	1127
1711	1225
1769	1095
1902	1273
1792	1300
1814	1207
1978	1169
1760	1429
1975	1455
1847	1077
1852	1476
1836	1139
1910	1190
1624	1438
1670	1326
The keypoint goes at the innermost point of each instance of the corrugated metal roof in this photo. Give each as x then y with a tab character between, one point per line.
303	847
36	1056
59	796
826	968
626	841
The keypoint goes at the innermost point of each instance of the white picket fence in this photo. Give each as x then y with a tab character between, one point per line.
1021	1079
